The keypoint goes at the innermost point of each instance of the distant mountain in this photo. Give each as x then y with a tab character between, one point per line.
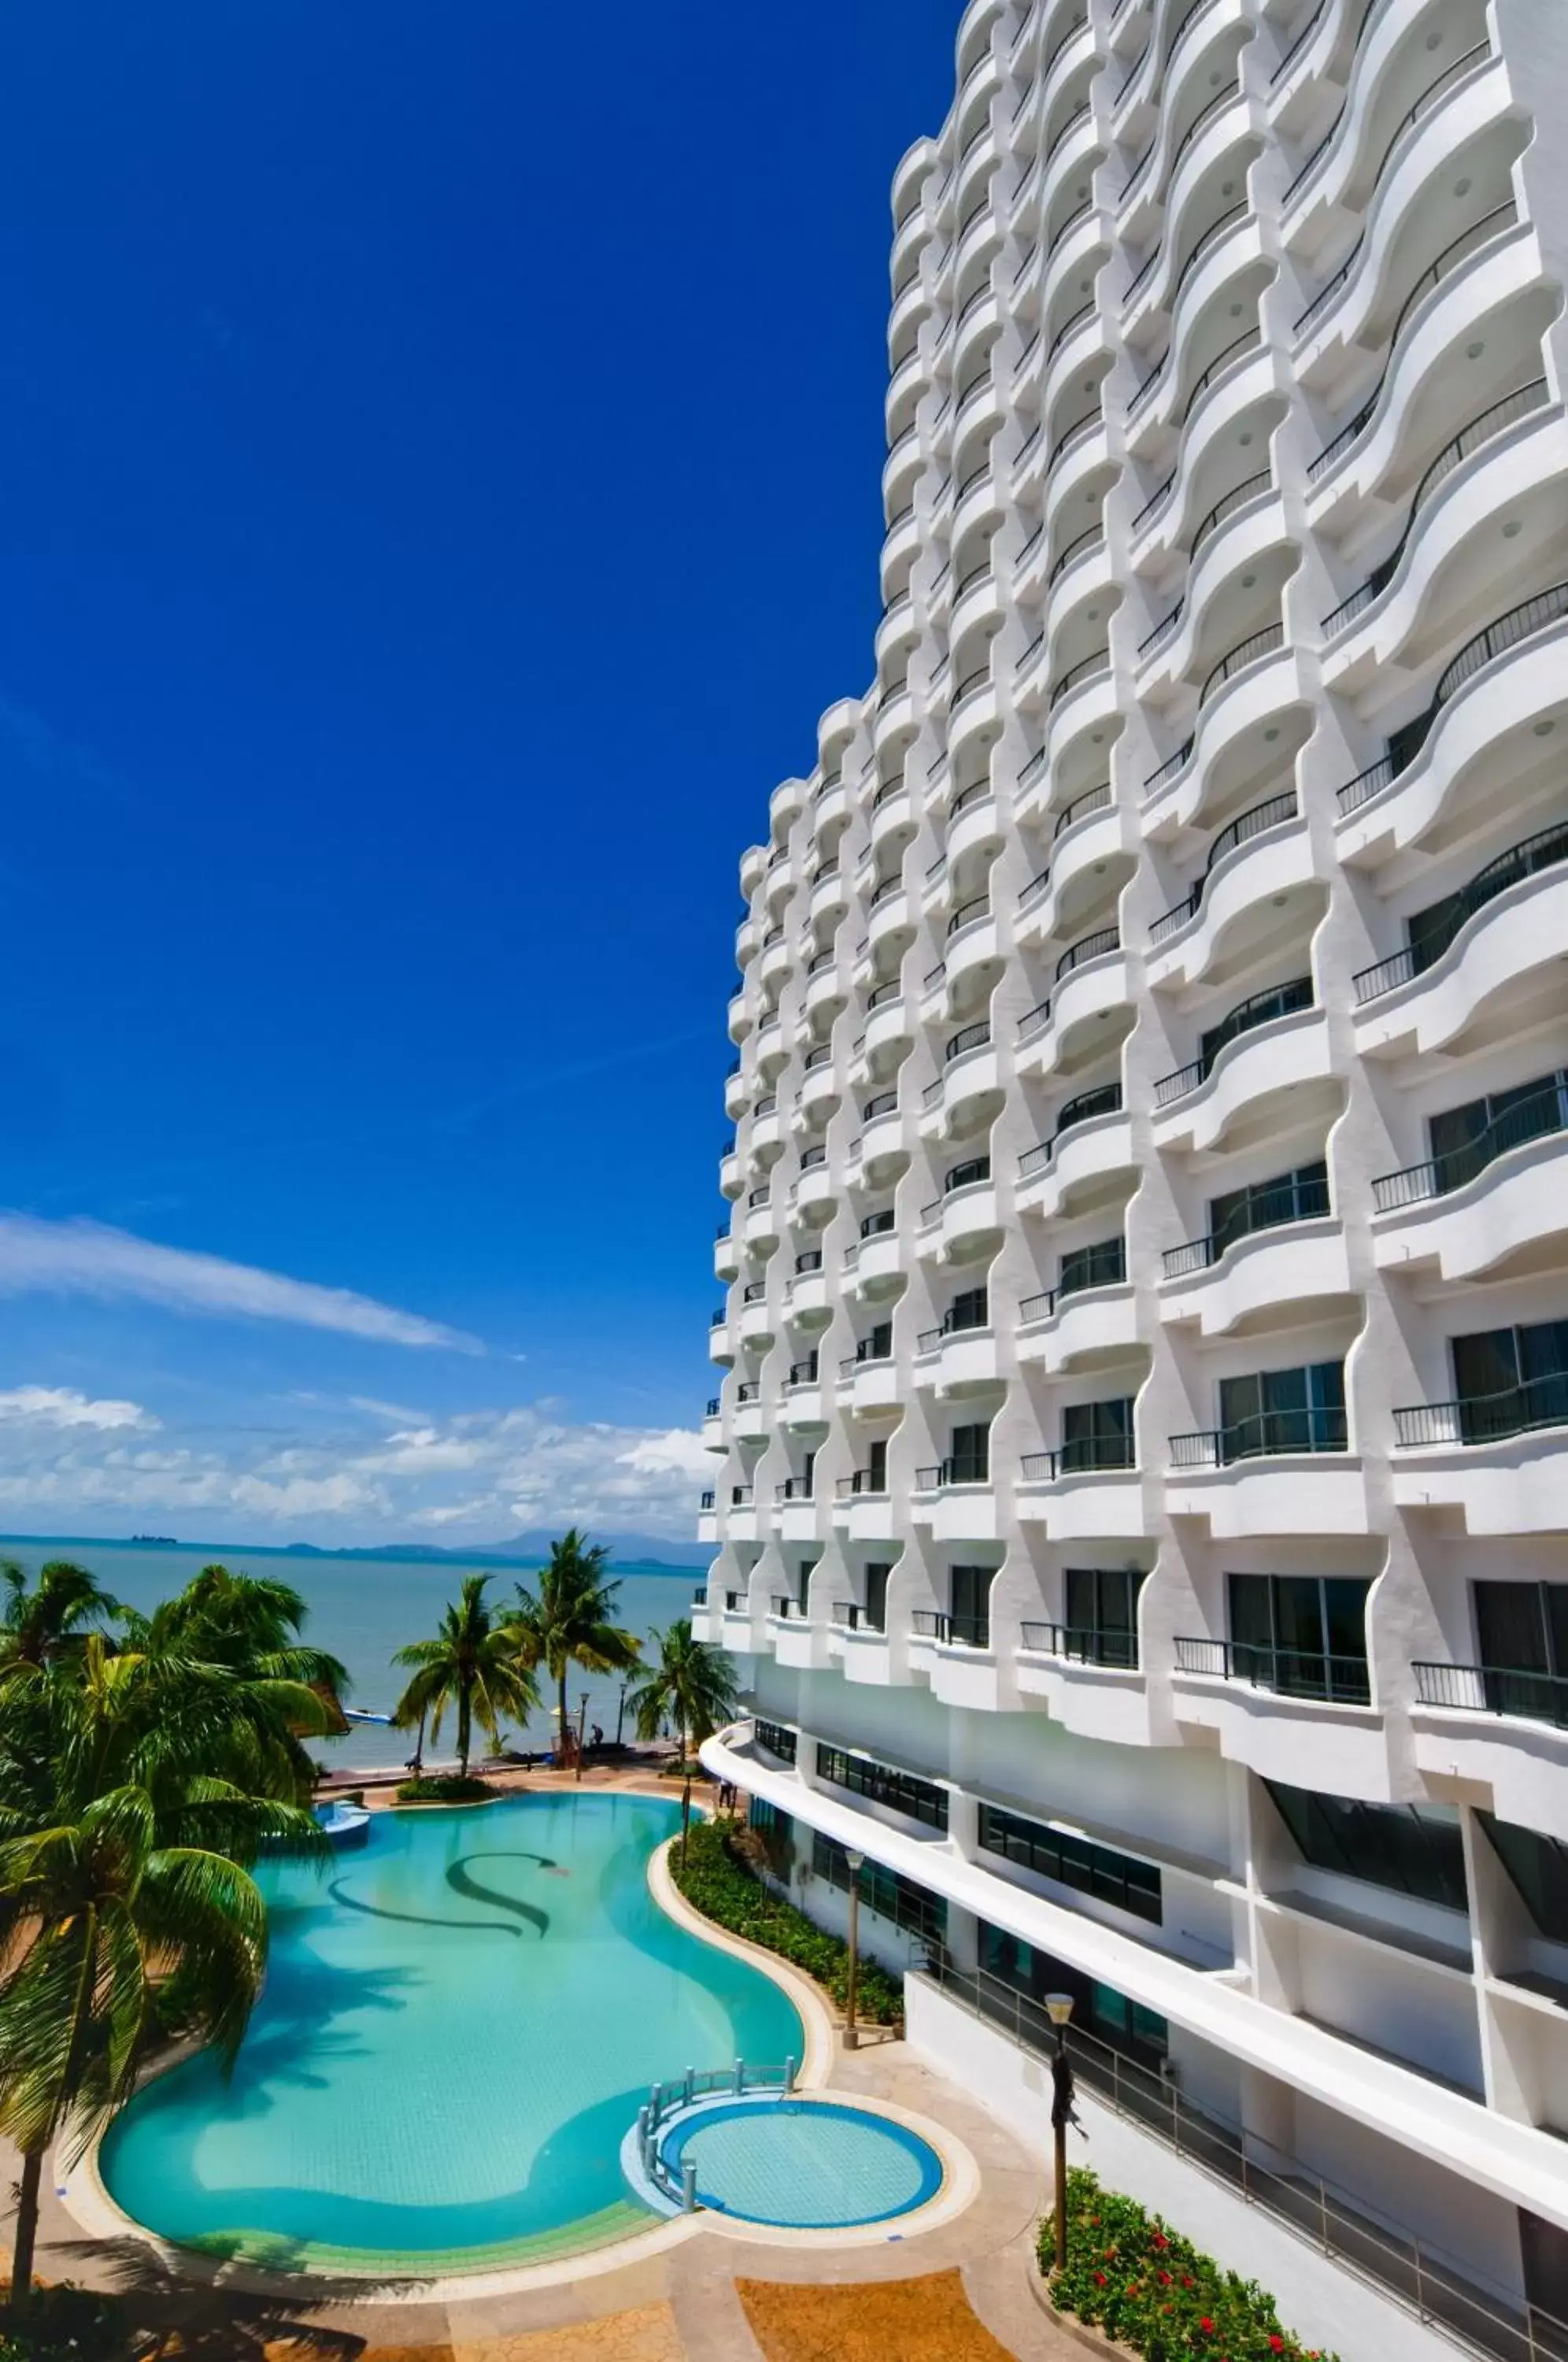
632	1553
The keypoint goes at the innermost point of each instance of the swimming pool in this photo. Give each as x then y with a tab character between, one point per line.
459	2022
807	2164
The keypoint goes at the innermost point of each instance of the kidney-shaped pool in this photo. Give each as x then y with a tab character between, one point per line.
459	2023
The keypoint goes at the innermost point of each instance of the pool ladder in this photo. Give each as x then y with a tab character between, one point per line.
665	2100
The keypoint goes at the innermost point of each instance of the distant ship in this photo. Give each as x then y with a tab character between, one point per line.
153	1542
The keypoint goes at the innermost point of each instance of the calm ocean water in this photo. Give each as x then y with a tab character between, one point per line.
363	1609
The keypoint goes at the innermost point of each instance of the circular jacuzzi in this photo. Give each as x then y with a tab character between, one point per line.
801	2164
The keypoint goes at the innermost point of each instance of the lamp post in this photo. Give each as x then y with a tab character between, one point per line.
851	2031
1059	2009
581	1734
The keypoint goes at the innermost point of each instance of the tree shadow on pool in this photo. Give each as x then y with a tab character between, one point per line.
172	2316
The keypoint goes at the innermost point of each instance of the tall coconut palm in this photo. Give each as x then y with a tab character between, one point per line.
570	1619
131	1877
472	1661
53	1616
692	1685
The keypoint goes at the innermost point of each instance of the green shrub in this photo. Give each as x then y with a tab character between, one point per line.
717	1882
1130	2273
439	1788
69	2324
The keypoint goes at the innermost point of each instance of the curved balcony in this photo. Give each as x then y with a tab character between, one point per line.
1092	1139
1459	111
829	892
1500	1461
1273	1043
1281	1473
762	1220
1460	264
1507	687
889	1025
1076	1328
1485	947
1483	434
1090	981
1245	700
890	913
974	823
1501	1197
1091	1492
755	1323
1263	853
1267	1276
963	1222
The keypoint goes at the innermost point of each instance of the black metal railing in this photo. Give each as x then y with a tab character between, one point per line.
1082	1645
1544	850
808	1261
1104	1100
1487	1418
1315	1427
1270	1208
1241	830
968	914
754	1291
881	1103
881	993
1093	537
1226	506
1092	800
1258	1009
708	1500
741	1496
1519	623
1245	652
1291	1673
783	1607
1084	1455
958	1468
1493	1689
952	1631
861	1486
714	1407
1156	500
804	1374
1161	630
1544	1112
1100	946
735	1602
1459	250
748	1391
1087	667
1168	769
851	1616
1491	421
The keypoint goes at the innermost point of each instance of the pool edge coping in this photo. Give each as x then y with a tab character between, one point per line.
85	2198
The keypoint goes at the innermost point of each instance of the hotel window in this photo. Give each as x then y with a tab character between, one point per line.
892	1896
1076	1862
1411	1848
1302	1635
969	1593
969	1459
1102	1613
1283	1410
1097	1435
1508	1380
1291	1198
1522	1636
920	1799
778	1738
876	1573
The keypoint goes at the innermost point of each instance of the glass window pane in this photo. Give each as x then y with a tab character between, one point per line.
1510	1626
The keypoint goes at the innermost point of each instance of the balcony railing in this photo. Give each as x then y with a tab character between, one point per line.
1487	1418
1245	652
1099	1266
1290	1672
1085	1455
1087	668
1092	537
1104	1100
1267	1433
1545	1112
1092	800
961	1468
1493	1689
1168	769
742	1497
851	1616
1100	946
1427	99
928	1339
714	1407
753	1292
1519	623
1248	824
1491	225
808	1261
786	1610
1080	1645
1259	1009
1266	1210
969	1037
708	1501
1226	506
749	1391
969	914
861	1487
952	1631
1491	421
1545	850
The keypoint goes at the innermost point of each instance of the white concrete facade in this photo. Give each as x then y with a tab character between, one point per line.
1153	1056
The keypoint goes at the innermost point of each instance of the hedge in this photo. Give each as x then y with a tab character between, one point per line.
438	1788
1131	2274
717	1881
69	2324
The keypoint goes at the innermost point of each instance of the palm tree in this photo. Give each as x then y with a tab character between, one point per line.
131	1879
694	1685
570	1620
473	1658
54	1617
249	1626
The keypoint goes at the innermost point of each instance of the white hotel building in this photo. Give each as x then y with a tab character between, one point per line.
1143	1476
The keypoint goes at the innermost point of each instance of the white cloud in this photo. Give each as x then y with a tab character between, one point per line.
84	1258
65	1407
339	1472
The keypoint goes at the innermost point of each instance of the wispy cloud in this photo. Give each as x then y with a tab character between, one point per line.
60	1406
84	1258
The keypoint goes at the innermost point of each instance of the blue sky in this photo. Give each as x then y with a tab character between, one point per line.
439	452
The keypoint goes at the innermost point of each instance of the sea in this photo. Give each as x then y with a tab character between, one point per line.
363	1610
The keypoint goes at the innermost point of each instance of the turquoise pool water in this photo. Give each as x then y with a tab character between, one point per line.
459	2025
814	2165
